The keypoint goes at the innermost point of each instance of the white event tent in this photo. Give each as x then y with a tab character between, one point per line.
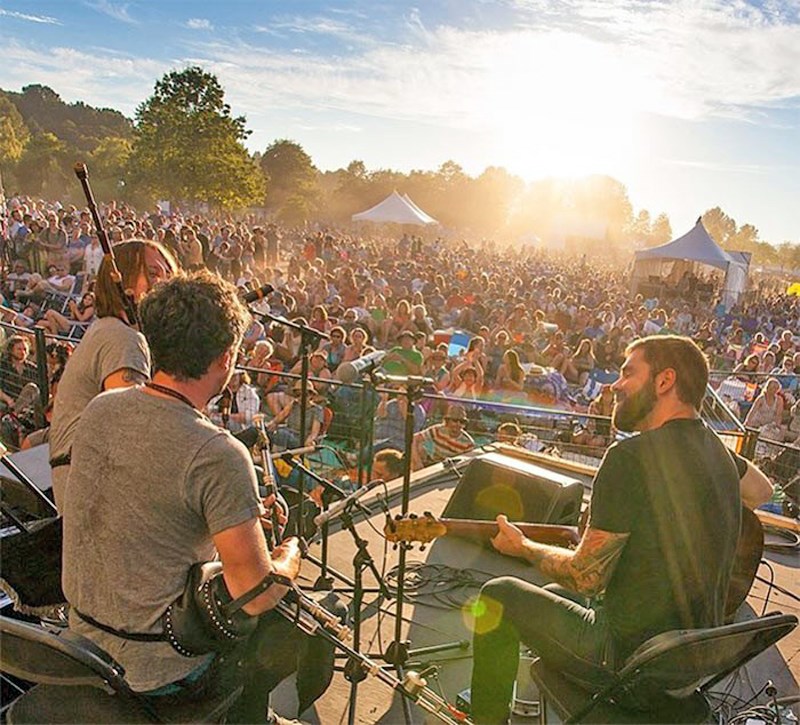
395	209
696	247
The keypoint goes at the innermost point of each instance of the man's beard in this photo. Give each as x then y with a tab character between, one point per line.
633	409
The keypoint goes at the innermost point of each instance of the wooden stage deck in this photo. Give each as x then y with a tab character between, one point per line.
428	622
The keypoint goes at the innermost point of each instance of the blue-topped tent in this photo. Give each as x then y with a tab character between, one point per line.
668	263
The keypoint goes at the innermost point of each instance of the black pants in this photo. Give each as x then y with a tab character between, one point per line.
567	635
276	649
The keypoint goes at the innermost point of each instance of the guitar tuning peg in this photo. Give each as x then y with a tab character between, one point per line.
397	517
428	515
413	516
422	547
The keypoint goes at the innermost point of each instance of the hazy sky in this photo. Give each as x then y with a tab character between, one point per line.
691	103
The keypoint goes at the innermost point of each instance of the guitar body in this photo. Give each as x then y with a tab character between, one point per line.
748	558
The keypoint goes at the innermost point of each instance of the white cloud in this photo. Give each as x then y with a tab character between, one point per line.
42	19
98	77
687	59
118	11
199	24
314	25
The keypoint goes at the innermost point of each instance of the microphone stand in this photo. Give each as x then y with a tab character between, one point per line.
307	335
366	444
325	582
362	560
397	652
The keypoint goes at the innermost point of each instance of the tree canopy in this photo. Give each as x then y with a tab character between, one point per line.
188	146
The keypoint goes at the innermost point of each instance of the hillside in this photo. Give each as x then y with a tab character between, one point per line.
77	125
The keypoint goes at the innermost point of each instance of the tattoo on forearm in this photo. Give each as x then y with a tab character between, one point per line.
588	569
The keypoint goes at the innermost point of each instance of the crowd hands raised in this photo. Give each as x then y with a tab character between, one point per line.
483	322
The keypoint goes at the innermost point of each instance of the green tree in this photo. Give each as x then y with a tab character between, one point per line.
660	230
109	165
719	225
14	134
43	168
289	173
188	146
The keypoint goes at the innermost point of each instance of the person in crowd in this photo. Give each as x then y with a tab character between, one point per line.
263	358
404	359
284	428
509	433
510	375
191	503
583	361
654	576
387	465
443	440
235	407
92	257
335	349
766	415
18	389
112	353
390	421
79	312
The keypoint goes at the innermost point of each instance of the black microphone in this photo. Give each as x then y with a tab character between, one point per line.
346	502
258	294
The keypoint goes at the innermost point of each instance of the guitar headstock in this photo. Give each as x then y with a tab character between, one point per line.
422	529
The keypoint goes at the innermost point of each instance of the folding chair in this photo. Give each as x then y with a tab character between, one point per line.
78	682
665	679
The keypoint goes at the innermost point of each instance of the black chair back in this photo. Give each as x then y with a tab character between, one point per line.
680	662
35	654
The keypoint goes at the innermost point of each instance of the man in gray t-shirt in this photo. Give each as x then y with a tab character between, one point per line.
155	487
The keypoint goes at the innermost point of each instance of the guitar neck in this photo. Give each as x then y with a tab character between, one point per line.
484	530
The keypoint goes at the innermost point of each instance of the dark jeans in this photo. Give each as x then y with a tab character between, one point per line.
567	635
275	650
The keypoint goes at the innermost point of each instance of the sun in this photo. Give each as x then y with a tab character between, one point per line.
559	104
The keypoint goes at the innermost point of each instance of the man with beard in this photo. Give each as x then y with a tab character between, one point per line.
659	544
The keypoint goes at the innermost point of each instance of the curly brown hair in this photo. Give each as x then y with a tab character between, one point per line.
189	321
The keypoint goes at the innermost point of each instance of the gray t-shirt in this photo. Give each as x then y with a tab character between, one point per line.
108	345
152	480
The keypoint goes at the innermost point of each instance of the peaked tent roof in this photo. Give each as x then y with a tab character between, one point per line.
696	245
394	208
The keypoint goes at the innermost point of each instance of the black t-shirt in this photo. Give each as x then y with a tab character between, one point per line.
675	490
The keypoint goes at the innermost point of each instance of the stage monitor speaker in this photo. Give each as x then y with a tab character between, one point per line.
496	484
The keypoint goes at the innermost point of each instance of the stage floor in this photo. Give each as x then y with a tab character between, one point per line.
429	621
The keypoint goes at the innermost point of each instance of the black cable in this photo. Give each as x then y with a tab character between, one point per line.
779	588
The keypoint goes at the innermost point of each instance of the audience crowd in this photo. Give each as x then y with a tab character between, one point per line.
480	322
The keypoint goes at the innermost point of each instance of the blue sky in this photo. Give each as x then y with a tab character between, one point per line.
690	103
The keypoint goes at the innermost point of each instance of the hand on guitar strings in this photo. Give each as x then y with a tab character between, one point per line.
509	539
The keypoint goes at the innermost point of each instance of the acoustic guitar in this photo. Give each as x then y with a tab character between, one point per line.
424	529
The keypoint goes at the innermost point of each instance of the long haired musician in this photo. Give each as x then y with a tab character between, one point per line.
112	353
156	488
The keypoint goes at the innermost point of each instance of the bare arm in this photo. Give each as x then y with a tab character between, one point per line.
586	570
246	561
754	486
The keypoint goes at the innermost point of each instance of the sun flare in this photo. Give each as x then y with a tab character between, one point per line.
561	105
